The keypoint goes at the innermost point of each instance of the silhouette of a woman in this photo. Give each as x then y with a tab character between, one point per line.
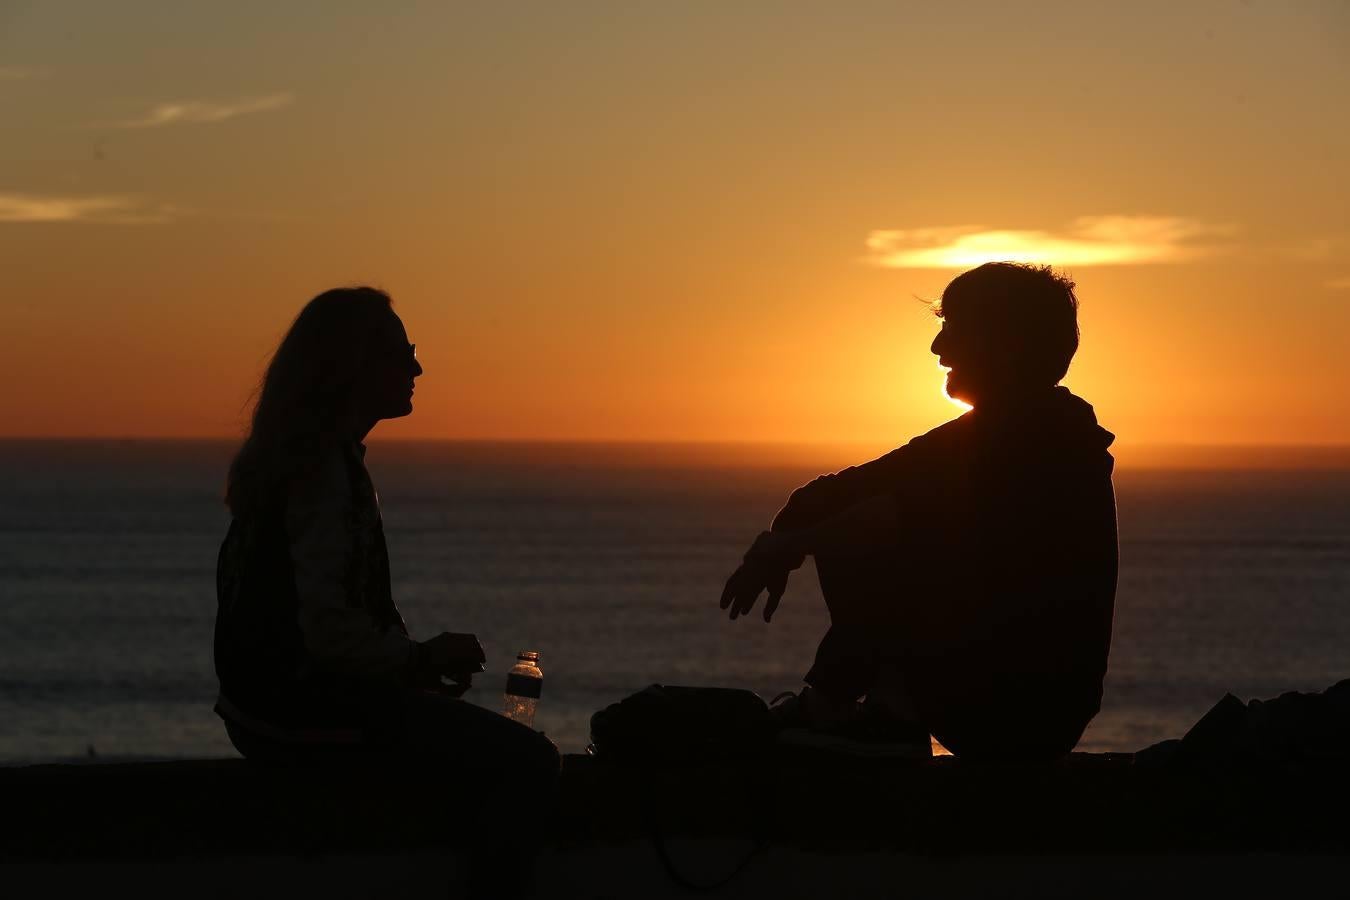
313	657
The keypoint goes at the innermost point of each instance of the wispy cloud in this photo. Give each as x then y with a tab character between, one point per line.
19	73
97	209
1326	248
1340	284
199	111
1087	241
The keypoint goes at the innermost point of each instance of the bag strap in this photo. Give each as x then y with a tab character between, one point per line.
662	852
662	848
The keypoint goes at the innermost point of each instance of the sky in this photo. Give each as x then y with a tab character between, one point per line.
698	221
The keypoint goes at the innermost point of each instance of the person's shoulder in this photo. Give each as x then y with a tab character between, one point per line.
925	449
321	475
948	434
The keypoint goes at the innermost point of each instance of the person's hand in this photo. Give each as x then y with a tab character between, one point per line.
456	686
765	569
454	656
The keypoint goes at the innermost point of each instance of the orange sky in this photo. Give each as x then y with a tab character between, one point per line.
686	222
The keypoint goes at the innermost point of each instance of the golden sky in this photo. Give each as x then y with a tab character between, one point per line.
688	221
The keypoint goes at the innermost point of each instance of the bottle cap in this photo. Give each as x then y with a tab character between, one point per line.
528	655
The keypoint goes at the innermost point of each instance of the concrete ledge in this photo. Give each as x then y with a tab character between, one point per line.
1086	804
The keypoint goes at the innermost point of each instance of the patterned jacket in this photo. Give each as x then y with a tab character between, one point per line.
304	611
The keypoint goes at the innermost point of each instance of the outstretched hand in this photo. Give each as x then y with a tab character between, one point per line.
765	569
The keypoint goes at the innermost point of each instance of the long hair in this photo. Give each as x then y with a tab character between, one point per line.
306	397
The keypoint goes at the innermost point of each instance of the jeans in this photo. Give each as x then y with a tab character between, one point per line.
978	700
476	769
424	726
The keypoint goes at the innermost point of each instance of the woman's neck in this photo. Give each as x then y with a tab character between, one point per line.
358	427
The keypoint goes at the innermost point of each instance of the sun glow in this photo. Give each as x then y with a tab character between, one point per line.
1087	241
960	404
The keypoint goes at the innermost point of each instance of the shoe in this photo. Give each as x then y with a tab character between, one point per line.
868	736
788	710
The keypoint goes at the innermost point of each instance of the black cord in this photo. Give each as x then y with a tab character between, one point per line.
679	878
659	844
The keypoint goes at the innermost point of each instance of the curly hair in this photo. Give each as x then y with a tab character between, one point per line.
1033	309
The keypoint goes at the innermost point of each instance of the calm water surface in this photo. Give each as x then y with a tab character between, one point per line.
609	560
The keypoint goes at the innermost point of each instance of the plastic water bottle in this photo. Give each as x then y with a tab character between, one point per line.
524	683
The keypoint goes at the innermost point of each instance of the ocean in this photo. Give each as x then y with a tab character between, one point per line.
609	560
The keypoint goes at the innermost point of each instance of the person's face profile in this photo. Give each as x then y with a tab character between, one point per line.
951	346
974	355
392	370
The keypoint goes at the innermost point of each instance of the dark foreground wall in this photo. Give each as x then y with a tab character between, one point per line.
1085	805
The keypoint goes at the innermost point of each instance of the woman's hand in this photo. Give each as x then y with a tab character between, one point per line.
455	656
455	687
765	569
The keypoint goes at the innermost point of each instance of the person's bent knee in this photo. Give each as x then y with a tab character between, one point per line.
535	747
540	755
523	747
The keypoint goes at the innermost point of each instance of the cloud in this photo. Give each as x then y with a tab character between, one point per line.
206	110
1321	249
1340	284
19	73
98	209
1088	241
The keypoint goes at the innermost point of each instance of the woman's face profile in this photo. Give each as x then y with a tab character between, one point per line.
393	367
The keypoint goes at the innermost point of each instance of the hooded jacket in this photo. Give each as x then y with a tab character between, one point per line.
999	588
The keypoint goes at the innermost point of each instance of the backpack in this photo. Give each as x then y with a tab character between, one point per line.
666	723
1294	728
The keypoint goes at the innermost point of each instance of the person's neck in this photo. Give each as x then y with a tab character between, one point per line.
361	427
1008	397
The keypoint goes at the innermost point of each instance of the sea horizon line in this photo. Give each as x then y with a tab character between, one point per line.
1150	455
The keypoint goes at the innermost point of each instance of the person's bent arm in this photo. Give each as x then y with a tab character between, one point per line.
857	531
828	496
860	530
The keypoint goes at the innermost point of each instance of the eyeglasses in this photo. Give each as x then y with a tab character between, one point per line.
408	352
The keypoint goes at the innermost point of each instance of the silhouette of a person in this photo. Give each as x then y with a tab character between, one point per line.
312	654
970	575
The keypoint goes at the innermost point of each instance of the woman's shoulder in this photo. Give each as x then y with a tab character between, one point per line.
323	475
